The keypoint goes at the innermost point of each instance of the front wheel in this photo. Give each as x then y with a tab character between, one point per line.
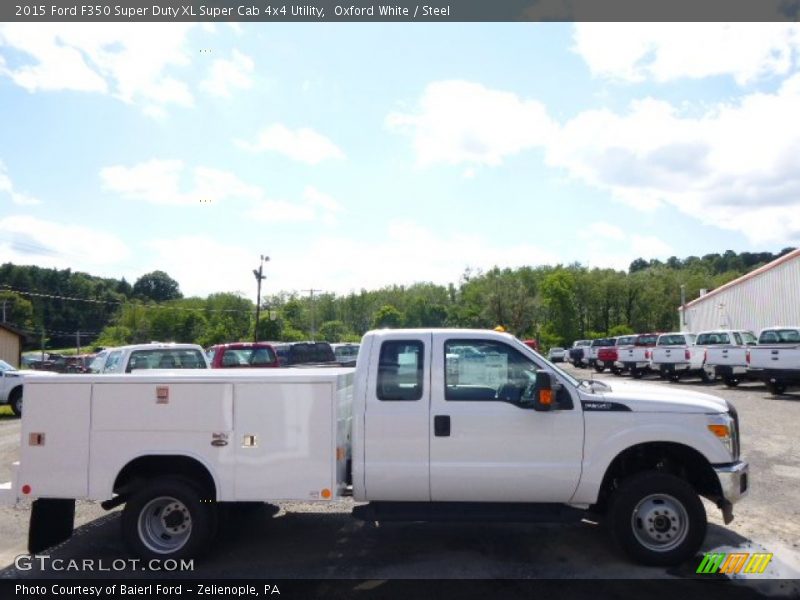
636	373
168	518
657	519
16	402
599	368
705	377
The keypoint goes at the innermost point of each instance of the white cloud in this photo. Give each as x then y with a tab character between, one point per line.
669	51
304	145
463	122
225	75
224	268
315	205
29	240
159	182
126	60
609	246
736	166
17	197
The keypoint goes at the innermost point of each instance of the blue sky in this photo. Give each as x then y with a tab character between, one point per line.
359	155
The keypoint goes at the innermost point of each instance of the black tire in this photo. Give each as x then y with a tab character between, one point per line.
705	377
657	519
661	374
675	377
731	382
150	531
599	368
636	373
616	371
777	388
15	401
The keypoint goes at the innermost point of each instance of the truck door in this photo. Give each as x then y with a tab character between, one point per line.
485	445
396	430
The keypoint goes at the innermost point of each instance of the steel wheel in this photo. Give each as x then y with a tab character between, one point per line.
660	523
16	403
165	525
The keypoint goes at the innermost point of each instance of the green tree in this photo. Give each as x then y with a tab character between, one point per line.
157	286
332	331
387	316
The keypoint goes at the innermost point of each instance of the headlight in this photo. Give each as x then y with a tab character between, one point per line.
723	428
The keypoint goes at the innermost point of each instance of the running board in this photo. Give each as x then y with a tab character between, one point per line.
495	512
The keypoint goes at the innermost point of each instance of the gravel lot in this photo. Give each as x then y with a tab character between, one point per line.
312	541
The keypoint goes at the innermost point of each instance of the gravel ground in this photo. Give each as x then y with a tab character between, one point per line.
301	540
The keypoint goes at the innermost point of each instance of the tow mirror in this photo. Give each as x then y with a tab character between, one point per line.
544	394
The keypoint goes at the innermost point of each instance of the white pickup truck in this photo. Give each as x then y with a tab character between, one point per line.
155	355
441	424
675	354
635	358
776	358
726	354
11	387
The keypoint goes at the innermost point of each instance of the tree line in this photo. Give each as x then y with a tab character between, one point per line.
555	304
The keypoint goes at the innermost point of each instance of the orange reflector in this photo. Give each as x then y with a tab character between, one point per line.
545	396
26	489
720	430
339	453
326	493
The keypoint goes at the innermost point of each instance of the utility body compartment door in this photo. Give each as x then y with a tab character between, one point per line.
485	445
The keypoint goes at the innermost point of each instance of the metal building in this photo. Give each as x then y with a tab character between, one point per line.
10	345
768	296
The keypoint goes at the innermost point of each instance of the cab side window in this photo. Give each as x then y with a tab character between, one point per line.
112	362
400	370
486	370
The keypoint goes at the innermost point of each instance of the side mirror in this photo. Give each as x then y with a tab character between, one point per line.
544	392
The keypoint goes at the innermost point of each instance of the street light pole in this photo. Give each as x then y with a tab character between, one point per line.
259	278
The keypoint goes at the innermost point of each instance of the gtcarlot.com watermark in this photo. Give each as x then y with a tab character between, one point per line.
27	562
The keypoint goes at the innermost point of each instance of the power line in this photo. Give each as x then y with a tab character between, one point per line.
121	302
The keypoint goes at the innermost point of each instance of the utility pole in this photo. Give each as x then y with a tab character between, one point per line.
78	340
259	278
313	323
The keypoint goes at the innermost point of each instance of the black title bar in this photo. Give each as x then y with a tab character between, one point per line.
398	10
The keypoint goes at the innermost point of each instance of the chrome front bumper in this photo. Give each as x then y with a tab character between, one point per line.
734	481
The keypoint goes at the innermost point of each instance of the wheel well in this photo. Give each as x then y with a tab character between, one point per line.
12	395
665	457
139	471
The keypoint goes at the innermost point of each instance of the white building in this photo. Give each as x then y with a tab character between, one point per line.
768	296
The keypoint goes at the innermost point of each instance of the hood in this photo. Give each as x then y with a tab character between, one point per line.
649	397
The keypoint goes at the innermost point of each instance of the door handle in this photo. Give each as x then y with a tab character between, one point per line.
441	426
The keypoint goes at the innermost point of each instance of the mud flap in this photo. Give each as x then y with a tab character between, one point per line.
52	522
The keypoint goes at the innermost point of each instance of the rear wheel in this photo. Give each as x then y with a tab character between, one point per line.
15	400
674	377
168	518
657	519
777	388
636	373
599	368
731	381
616	371
705	377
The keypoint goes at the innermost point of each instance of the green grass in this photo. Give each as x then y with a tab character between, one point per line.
5	409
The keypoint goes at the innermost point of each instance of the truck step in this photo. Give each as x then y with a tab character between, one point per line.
508	512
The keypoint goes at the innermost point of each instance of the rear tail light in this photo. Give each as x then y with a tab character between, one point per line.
647	354
747	357
705	355
686	354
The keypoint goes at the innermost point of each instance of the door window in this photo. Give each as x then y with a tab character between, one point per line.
400	370
486	370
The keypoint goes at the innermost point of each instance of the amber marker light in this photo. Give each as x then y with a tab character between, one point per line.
546	396
721	431
326	493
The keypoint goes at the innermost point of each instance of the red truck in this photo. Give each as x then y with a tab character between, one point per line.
608	355
238	355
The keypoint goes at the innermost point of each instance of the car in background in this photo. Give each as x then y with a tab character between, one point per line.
11	387
238	355
79	363
556	354
533	344
346	354
155	355
292	354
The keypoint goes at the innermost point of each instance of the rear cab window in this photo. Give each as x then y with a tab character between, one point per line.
166	358
400	370
713	338
780	336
